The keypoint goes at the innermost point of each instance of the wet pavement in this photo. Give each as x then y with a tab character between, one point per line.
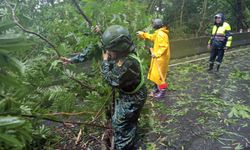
202	110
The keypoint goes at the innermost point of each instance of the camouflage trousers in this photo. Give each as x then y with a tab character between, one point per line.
125	119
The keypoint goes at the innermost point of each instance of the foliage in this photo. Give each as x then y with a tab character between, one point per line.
240	111
35	84
237	75
15	133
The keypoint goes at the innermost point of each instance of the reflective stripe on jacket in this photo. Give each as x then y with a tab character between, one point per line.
221	34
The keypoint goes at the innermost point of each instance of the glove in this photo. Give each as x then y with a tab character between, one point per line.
153	56
139	32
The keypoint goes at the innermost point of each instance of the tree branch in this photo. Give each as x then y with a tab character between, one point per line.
100	112
66	122
90	24
68	114
80	83
55	120
15	19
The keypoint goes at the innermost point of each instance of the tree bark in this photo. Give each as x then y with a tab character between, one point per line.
204	12
82	13
239	14
182	11
16	21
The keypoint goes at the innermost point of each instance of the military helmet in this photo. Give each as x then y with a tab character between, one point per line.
157	23
116	38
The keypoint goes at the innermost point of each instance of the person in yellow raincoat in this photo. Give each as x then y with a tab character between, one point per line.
160	54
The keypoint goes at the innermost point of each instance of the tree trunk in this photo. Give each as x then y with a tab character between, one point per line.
204	12
239	14
182	10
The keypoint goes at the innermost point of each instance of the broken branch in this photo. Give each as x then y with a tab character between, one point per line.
15	19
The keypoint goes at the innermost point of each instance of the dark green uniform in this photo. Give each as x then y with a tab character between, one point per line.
128	79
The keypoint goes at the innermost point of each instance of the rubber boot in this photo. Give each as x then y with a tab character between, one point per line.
211	65
218	67
154	91
161	93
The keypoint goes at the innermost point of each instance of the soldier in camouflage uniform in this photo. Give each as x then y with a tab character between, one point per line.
122	70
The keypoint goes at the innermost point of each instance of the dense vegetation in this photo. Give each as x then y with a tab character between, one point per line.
39	96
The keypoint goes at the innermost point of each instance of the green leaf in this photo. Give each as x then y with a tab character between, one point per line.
10	140
54	64
5	26
244	114
231	114
239	147
10	122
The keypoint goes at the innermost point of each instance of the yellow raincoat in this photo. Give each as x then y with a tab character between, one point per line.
162	52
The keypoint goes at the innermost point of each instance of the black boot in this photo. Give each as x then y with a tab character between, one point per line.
218	67
211	65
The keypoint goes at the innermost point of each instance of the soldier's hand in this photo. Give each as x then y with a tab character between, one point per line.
65	60
96	29
139	33
105	55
